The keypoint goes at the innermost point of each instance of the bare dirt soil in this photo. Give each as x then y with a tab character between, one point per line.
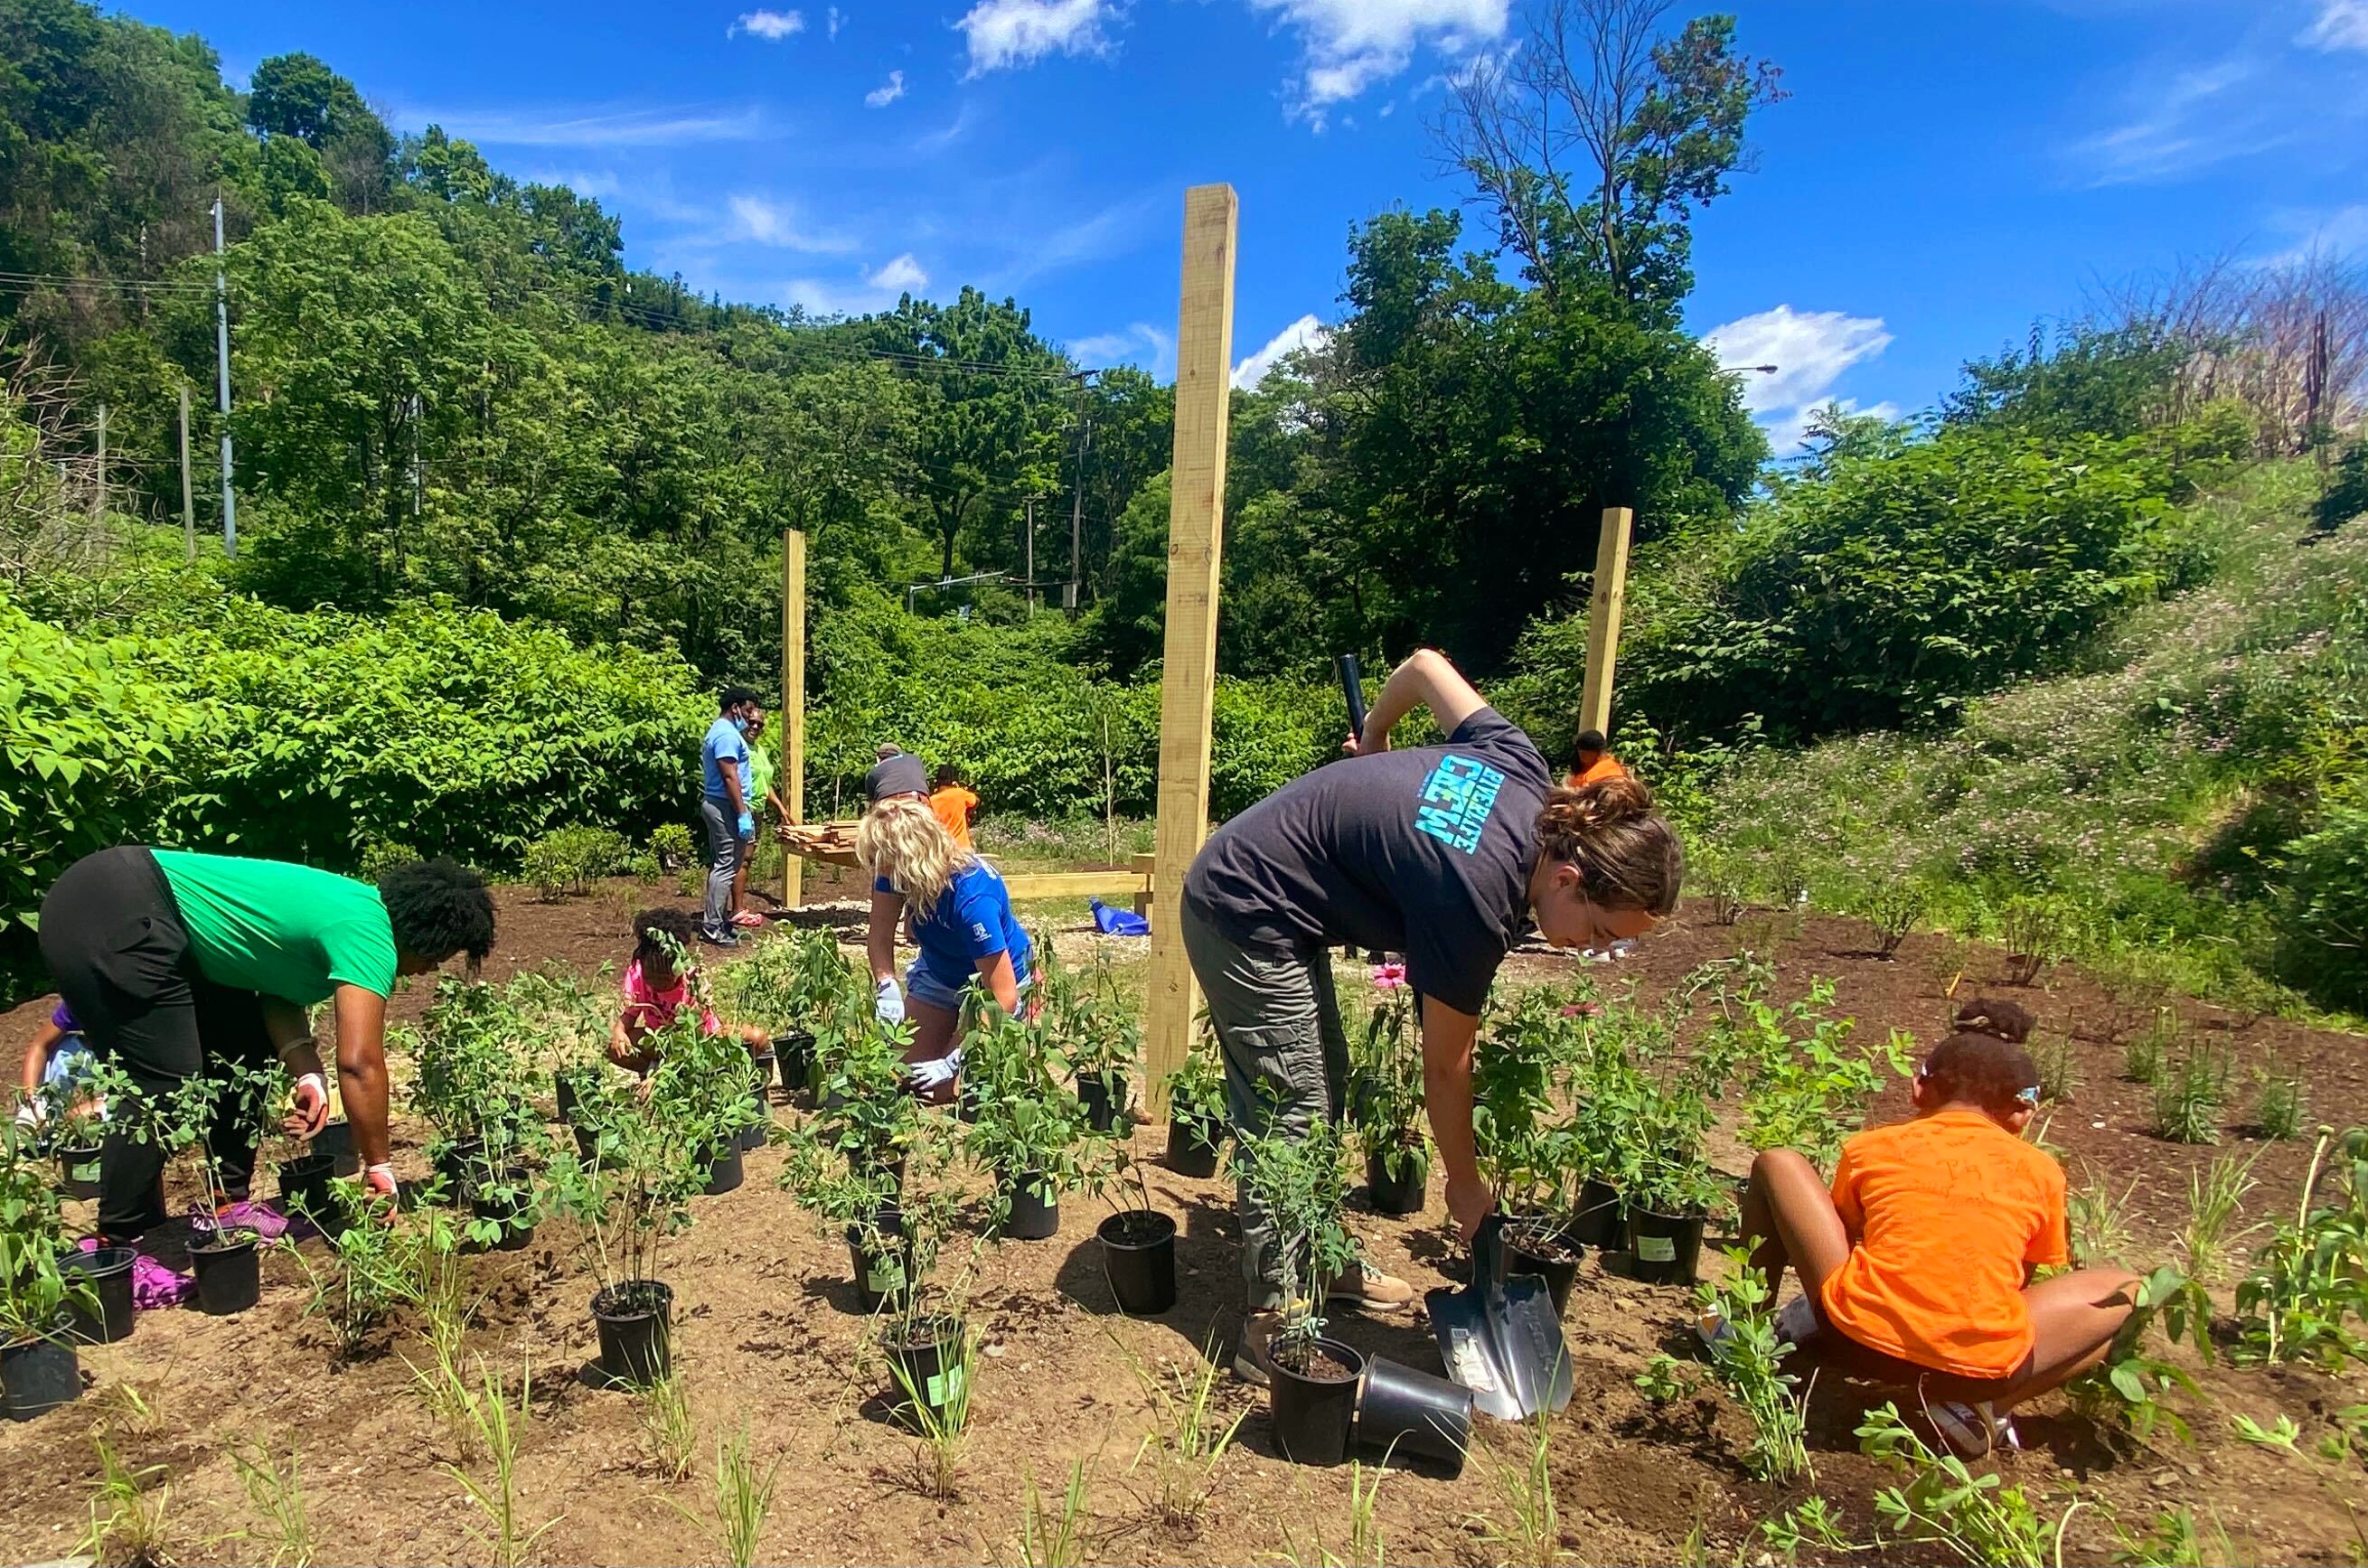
769	1337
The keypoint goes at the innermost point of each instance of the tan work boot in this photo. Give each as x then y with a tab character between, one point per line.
1369	1290
1252	1349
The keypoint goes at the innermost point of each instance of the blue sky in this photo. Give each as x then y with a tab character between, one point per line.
1944	172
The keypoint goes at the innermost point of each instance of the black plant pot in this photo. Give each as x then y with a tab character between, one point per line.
1034	1217
509	1208
229	1270
336	1139
966	1104
78	1171
1192	1146
1104	1097
1665	1249
634	1319
928	1369
38	1375
1139	1256
107	1272
1402	1412
1599	1222
1312	1415
724	1174
1401	1194
454	1164
1539	1247
304	1187
562	1084
793	1055
587	1145
882	1278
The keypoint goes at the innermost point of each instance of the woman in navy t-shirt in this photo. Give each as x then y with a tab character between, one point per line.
963	923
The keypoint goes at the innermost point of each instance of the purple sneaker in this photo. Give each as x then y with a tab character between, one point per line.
155	1286
261	1217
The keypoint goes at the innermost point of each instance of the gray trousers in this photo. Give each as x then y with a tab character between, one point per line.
724	848
1286	1060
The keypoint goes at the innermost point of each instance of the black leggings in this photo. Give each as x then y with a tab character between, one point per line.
112	936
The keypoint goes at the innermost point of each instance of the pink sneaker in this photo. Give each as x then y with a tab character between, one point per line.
747	920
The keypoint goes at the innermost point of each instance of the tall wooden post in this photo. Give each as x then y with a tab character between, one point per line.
792	773
1196	525
99	497
1603	618
189	498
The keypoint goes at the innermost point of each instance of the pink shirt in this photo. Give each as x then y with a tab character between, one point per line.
648	1009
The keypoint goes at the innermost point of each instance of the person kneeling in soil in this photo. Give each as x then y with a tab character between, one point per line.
1917	1264
175	962
56	1060
963	923
1442	852
657	988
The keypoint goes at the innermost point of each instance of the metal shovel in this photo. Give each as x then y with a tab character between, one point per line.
1500	1337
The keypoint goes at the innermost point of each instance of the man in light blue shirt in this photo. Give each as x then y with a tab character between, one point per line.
723	808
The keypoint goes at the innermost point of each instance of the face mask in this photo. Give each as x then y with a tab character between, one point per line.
741	725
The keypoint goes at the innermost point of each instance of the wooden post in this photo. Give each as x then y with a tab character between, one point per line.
1196	519
189	501
1603	618
99	497
792	772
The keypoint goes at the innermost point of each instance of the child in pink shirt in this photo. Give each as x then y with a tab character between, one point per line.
655	991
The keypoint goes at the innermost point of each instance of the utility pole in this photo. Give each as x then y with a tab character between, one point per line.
1031	555
99	497
1077	523
221	367
189	501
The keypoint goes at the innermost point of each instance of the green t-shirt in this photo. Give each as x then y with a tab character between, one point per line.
287	931
760	778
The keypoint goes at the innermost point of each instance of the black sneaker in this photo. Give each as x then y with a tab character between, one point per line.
719	939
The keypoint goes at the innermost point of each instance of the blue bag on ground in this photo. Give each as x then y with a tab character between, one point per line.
1119	921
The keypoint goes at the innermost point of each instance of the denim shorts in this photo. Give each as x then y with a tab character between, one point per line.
925	987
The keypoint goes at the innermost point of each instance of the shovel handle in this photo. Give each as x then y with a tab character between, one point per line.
1352	686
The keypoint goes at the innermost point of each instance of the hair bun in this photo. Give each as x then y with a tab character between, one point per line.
1593	807
1997	1017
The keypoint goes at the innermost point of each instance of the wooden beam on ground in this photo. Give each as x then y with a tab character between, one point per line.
1103	885
792	772
1196	527
1603	618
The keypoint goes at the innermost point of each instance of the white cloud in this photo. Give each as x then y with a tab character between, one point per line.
590	126
887	92
2339	235
1351	44
776	223
2185	120
878	290
2342	23
1304	332
771	25
1008	33
835	21
1810	350
1139	342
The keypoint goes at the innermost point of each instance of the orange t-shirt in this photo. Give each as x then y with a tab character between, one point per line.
1944	1213
1606	767
953	805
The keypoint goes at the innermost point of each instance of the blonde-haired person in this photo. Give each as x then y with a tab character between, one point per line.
963	922
1443	853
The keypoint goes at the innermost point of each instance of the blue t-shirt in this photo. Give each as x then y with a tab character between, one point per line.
971	920
724	740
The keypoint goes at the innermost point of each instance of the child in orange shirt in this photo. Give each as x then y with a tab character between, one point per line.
1918	1261
953	805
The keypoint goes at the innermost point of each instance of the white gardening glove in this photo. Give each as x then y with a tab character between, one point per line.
930	1077
28	1115
888	1001
378	1182
308	1109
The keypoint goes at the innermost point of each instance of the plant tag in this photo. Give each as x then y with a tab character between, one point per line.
1657	1249
945	1387
887	1275
1466	1364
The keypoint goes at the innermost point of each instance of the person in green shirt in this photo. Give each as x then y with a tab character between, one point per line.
175	960
760	798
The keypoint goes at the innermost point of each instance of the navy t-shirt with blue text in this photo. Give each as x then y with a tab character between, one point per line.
973	919
1426	852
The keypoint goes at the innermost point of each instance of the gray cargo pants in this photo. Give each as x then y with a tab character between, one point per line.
724	849
1286	1060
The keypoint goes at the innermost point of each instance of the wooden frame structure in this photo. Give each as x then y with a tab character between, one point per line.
1196	529
1609	599
792	773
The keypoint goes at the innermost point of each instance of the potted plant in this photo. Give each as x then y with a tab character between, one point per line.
1138	1246
1197	1113
794	988
39	1368
849	1162
1385	1100
1029	1133
1099	1038
228	1095
1671	1188
474	1049
73	1121
1526	1150
1301	1182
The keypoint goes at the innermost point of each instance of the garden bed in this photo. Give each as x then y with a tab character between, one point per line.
766	1333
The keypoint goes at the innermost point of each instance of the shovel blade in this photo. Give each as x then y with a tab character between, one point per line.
1501	1337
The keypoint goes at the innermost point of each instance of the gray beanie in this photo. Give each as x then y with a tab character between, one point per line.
900	775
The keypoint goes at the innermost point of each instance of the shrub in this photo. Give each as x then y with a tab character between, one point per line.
2322	920
566	859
